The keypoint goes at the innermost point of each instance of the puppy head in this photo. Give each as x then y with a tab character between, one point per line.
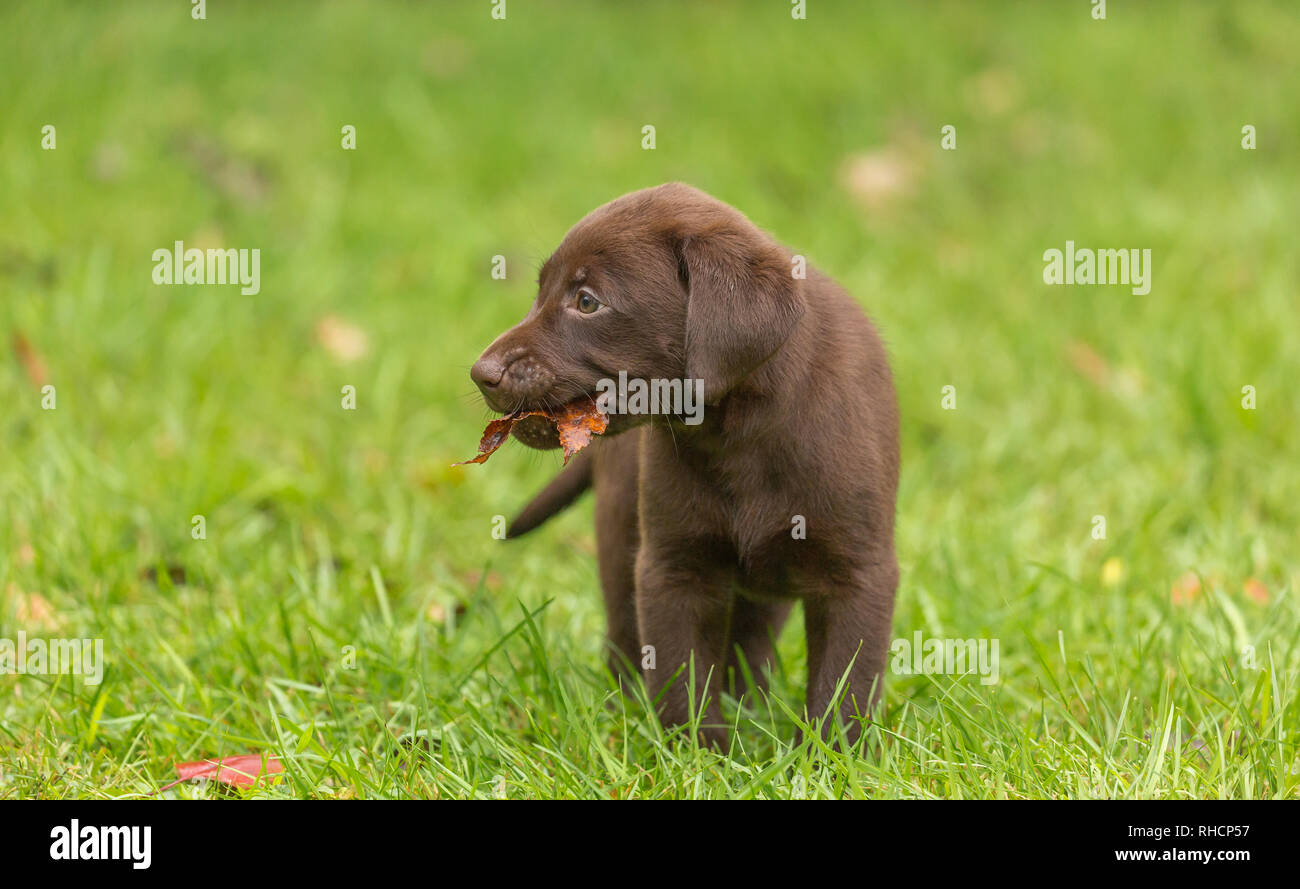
664	283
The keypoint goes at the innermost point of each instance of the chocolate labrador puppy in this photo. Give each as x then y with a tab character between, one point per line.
782	488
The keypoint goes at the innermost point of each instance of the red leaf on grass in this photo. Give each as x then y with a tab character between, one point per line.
237	771
1255	589
31	360
1185	589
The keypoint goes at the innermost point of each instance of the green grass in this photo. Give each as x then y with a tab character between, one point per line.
479	664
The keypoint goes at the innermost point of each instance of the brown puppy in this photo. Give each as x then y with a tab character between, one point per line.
708	530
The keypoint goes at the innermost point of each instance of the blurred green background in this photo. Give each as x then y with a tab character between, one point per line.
475	137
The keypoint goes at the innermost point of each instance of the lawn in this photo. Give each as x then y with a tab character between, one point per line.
340	601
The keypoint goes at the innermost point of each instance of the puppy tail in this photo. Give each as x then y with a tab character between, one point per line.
563	490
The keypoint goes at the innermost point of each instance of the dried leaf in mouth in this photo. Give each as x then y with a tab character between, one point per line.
494	436
576	422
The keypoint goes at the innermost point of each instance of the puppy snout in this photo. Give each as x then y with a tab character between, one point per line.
515	381
487	372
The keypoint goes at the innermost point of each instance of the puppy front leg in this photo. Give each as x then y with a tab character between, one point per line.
684	613
850	625
755	626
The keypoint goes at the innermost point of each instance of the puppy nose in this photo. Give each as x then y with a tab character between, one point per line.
487	372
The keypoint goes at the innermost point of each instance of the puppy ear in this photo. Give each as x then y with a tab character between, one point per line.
743	302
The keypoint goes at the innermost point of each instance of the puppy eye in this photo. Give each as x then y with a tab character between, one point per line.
587	302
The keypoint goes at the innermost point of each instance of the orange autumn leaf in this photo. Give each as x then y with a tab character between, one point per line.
1185	589
1089	363
494	436
237	771
1256	590
576	422
31	360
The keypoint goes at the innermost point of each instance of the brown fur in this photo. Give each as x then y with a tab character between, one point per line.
694	523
